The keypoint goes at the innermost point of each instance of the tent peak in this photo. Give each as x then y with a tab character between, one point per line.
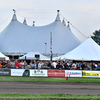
33	23
24	22
58	17
14	18
63	22
68	25
14	11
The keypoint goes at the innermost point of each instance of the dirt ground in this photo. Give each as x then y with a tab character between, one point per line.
49	88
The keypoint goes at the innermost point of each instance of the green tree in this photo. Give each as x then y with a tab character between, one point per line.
96	37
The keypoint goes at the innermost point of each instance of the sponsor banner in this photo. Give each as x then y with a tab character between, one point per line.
5	72
73	73
91	73
17	72
56	73
38	73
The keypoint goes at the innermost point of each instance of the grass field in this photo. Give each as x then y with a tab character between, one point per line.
49	96
48	79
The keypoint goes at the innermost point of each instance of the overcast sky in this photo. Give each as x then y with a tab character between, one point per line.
83	14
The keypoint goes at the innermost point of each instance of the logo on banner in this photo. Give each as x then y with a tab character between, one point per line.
26	73
90	73
73	73
38	71
5	72
56	73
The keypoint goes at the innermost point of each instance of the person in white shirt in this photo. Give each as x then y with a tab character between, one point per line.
54	64
22	64
40	65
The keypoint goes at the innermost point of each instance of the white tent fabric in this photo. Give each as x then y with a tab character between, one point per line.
3	57
31	56
7	58
21	38
88	50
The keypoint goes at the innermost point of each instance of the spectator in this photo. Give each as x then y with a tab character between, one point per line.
58	65
77	66
22	64
98	66
93	66
25	64
31	64
49	65
73	66
0	65
40	65
66	66
16	64
34	65
54	64
88	66
83	65
45	65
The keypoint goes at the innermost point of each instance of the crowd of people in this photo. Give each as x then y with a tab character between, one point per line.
47	65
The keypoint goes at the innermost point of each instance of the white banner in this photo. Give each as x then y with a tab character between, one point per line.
73	73
17	72
38	73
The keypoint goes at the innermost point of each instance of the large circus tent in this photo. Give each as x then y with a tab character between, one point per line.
19	38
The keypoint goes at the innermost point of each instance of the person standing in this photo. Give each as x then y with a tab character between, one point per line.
34	65
25	64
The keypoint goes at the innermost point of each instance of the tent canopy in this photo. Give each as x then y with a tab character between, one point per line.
20	38
3	57
88	50
31	56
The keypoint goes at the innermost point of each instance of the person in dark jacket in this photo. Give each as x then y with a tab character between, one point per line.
83	65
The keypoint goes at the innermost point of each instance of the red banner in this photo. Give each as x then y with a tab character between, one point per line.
56	73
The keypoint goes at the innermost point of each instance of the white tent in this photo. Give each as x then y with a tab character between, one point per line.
20	38
31	56
3	57
88	50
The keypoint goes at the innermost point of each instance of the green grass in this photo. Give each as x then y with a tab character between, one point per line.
48	79
49	96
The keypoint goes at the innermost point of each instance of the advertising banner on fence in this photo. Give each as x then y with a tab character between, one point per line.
91	73
73	73
19	72
56	73
5	72
38	73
